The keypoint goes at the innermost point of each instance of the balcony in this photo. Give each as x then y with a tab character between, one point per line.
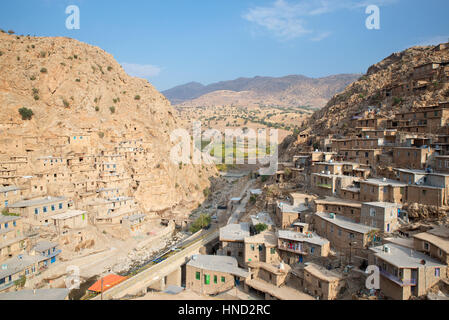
293	250
402	283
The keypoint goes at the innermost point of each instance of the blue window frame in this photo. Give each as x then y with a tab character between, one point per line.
45	209
6	225
14	224
312	250
36	211
52	207
60	206
74	138
6	203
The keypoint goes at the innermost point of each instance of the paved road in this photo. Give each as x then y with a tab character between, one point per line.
155	271
245	195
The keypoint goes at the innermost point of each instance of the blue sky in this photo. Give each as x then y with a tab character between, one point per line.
172	42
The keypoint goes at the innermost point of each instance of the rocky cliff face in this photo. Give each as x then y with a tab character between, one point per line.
78	90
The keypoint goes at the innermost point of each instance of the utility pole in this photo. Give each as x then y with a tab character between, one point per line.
101	288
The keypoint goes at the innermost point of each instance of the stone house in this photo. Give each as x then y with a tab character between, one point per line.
210	275
38	211
434	243
381	215
346	208
261	248
404	272
12	238
344	235
232	241
295	247
382	190
322	283
412	158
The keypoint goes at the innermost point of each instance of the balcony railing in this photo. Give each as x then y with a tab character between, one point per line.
297	250
402	283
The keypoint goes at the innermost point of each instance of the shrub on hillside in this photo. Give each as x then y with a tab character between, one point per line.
26	113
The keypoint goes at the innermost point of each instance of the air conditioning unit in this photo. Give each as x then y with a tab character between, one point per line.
386	249
332	215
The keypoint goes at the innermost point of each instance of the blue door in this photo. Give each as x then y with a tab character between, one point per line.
53	260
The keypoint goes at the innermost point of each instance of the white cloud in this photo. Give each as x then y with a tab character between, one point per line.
141	70
321	36
288	20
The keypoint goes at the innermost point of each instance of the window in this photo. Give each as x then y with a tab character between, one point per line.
60	206
273	250
215	279
198	276
312	250
351	236
206	279
440	252
15	225
339	232
52	207
437	272
426	246
36	211
223	280
6	226
45	209
252	247
372	212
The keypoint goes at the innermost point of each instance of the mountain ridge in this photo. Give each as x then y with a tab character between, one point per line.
290	90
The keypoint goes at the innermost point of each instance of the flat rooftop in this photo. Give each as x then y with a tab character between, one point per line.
37	202
282	293
298	236
345	223
9	189
322	273
262	217
219	264
384	182
285	207
338	201
68	214
235	232
402	257
38	294
383	204
440	242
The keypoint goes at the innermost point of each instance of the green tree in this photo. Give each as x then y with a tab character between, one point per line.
203	221
261	227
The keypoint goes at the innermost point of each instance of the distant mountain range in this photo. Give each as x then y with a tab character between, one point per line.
288	91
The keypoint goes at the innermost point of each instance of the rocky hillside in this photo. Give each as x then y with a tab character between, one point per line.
369	90
387	88
77	89
289	91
